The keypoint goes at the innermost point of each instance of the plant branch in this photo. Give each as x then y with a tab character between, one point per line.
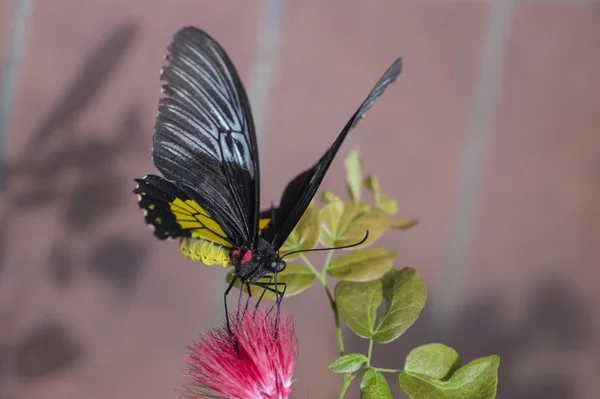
347	380
336	317
323	280
386	370
327	261
313	269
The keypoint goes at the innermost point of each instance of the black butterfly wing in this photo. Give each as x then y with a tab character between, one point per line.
205	139
173	214
299	192
267	228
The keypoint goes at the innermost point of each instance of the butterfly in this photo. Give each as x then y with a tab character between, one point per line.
206	150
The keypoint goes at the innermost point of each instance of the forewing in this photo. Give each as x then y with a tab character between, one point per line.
205	139
299	192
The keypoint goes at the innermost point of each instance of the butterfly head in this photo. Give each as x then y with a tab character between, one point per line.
269	258
251	265
276	264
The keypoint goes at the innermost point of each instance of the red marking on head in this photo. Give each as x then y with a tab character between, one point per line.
235	252
246	257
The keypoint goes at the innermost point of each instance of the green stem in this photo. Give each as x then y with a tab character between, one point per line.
336	317
347	380
327	261
370	352
313	269
323	280
386	370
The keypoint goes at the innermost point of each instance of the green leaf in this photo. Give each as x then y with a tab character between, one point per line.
353	175
347	224
405	294
374	386
476	380
401	223
382	201
330	216
306	233
331	197
372	184
389	206
362	265
347	363
358	303
433	360
297	277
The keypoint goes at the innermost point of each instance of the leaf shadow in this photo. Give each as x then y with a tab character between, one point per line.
57	148
87	84
46	350
75	170
118	260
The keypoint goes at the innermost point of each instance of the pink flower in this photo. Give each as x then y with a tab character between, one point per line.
255	361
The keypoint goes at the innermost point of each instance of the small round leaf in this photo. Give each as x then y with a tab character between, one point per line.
331	197
475	380
433	360
347	363
389	206
347	224
372	183
401	223
306	233
405	294
357	304
362	265
330	216
297	277
374	386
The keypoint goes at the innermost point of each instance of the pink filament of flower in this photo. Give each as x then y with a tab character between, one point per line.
255	361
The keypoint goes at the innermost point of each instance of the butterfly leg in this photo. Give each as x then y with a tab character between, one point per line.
278	300
271	287
237	312
249	297
267	283
277	297
282	294
225	302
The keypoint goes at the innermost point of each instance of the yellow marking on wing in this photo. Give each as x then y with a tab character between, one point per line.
191	216
262	223
190	225
184	206
209	235
184	217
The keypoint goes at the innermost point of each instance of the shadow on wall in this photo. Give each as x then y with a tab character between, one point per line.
35	180
56	149
47	349
554	323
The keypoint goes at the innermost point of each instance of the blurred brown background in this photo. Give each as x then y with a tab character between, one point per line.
491	137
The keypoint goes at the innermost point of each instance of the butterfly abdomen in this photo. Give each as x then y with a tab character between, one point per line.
207	252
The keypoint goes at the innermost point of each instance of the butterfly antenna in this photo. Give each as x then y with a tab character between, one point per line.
331	248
